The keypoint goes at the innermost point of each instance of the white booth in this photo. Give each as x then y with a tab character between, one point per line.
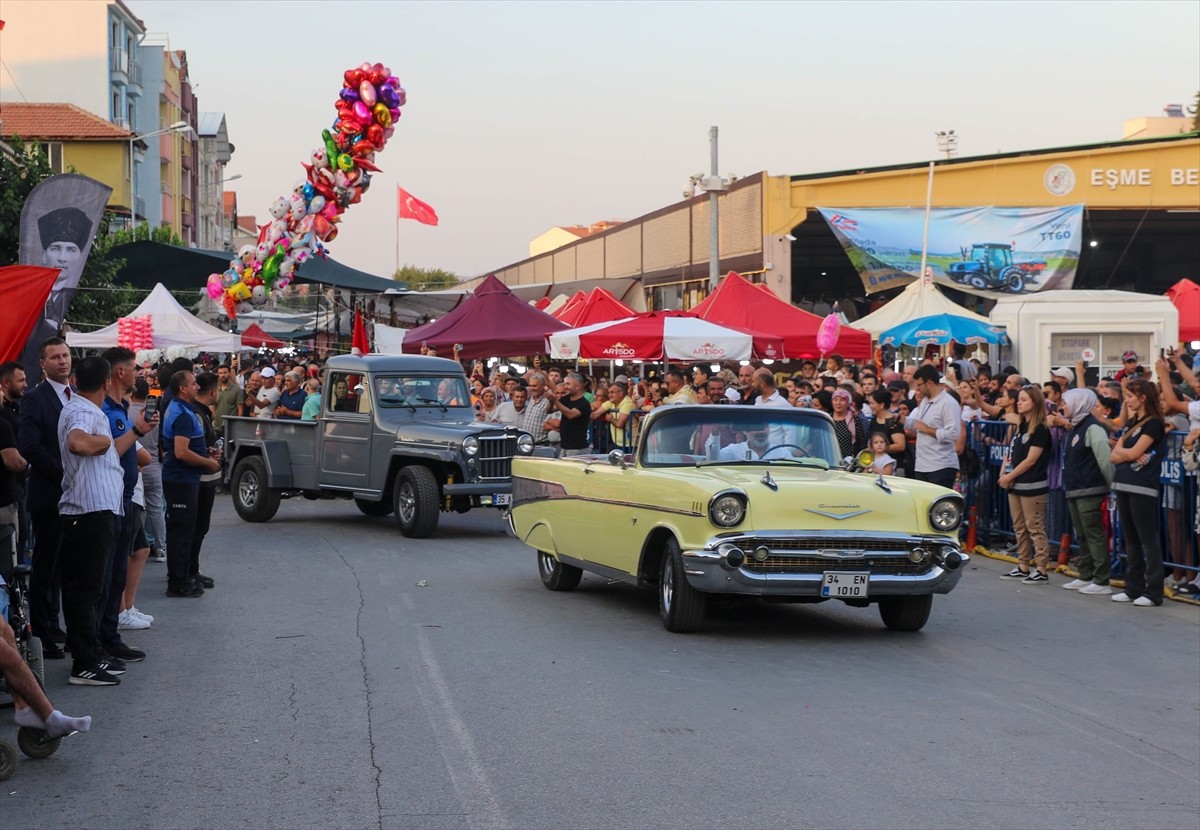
1057	328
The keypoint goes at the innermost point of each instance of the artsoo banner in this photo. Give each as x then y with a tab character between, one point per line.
989	251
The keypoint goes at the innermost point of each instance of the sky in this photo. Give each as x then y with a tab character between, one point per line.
525	116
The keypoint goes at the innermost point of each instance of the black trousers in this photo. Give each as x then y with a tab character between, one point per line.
113	585
182	502
206	495
45	578
945	476
1143	555
87	542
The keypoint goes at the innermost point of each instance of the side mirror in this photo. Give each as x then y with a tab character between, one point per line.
617	458
358	389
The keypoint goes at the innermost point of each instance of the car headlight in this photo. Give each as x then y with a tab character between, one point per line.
946	514
471	445
727	509
525	443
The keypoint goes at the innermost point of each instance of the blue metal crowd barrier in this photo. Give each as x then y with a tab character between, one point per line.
1177	504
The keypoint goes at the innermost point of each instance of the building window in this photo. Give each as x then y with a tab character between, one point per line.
52	150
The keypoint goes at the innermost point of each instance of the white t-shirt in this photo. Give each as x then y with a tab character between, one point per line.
776	400
1194	414
881	463
271	395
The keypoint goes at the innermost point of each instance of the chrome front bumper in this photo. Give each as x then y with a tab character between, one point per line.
709	570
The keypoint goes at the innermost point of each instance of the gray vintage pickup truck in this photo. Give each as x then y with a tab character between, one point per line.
395	433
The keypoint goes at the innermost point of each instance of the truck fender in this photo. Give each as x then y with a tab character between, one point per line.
275	456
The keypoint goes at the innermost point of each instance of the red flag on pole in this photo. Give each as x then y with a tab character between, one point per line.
25	289
409	206
358	341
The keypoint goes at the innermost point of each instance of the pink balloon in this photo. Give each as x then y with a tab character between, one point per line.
362	113
366	93
827	334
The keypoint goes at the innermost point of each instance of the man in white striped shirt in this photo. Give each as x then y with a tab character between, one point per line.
93	491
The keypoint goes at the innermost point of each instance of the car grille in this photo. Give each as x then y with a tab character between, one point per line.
815	554
891	565
495	456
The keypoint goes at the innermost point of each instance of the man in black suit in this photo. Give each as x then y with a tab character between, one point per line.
37	440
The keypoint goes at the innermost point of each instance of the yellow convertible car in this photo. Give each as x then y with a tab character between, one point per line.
740	500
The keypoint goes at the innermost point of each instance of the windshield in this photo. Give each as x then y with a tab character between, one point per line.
421	390
729	435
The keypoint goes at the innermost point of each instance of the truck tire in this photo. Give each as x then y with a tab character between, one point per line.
374	509
416	502
253	500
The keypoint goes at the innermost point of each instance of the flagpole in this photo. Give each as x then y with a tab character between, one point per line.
397	244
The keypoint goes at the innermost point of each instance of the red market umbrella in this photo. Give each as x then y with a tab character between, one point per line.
739	303
255	338
1185	294
570	305
598	306
659	335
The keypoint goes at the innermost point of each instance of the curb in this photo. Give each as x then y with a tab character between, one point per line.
1066	570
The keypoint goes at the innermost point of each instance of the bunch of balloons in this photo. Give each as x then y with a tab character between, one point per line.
135	333
338	174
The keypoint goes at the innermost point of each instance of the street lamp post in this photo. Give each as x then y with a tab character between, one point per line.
177	127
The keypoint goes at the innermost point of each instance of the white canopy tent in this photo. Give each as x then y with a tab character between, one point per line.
918	299
171	325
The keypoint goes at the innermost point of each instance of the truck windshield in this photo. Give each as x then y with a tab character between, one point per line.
421	390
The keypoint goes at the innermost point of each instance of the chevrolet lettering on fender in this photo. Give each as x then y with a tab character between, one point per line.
749	501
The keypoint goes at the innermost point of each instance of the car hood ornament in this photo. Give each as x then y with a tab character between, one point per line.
768	481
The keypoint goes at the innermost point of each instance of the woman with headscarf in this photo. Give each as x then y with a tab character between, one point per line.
1087	475
486	409
848	425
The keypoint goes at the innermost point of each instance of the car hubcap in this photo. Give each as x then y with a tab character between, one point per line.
248	489
548	563
407	503
668	586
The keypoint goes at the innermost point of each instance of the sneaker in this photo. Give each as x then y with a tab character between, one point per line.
157	555
1015	573
112	665
1190	589
1034	578
133	610
1144	602
1076	584
127	621
124	652
92	676
1092	589
1121	597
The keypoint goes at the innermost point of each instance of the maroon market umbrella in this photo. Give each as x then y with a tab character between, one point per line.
489	323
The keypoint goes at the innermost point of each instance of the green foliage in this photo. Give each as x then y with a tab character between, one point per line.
426	279
1194	109
19	175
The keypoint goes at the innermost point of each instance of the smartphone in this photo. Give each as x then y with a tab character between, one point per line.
151	407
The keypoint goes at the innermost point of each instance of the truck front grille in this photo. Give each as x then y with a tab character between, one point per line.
495	457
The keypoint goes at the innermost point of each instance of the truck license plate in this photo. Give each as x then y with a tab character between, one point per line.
502	499
845	585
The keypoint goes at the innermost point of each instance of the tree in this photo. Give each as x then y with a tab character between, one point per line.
1194	109
20	173
426	279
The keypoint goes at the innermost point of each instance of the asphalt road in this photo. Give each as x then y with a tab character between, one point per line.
340	675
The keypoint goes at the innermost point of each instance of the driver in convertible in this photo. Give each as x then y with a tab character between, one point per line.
756	447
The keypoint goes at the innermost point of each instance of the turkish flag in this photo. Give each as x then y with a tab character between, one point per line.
25	289
358	341
409	206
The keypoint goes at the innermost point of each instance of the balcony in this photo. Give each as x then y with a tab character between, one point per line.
119	64
185	158
135	78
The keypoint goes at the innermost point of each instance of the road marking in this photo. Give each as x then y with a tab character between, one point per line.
467	773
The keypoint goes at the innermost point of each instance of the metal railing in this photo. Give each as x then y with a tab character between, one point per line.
1177	505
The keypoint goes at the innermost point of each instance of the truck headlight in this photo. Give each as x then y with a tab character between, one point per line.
525	443
727	509
471	445
946	513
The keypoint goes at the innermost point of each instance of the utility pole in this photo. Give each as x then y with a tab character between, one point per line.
713	185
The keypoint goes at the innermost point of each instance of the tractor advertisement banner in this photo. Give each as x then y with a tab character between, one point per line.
990	251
